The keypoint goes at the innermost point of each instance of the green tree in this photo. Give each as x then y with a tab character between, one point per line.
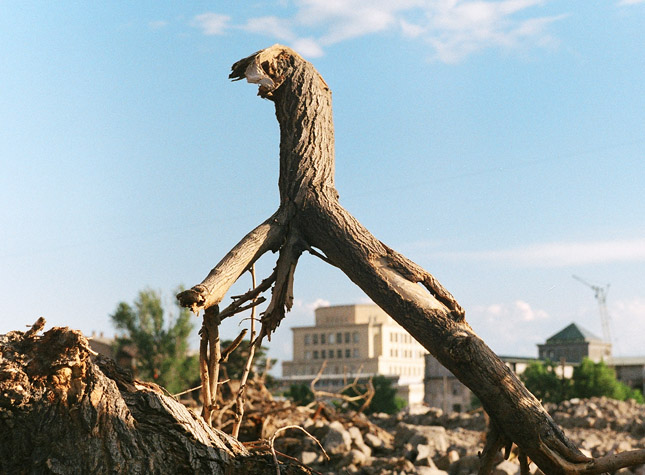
160	339
300	394
542	380
597	379
589	380
384	400
236	361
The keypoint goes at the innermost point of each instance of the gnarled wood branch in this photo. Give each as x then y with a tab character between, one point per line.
310	216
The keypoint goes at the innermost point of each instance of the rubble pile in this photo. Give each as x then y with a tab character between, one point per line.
423	440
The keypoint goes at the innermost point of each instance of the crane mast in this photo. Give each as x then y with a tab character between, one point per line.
601	296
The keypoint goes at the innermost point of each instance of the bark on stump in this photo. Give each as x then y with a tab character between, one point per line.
310	218
63	412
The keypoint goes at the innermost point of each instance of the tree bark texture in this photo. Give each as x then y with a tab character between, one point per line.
310	218
64	412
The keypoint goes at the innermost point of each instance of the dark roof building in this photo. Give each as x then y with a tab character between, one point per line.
572	344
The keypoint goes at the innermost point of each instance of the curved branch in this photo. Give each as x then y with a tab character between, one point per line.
267	236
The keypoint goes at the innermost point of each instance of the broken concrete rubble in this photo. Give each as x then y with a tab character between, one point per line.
426	441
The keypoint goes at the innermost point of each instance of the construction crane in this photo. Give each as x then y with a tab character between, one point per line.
601	296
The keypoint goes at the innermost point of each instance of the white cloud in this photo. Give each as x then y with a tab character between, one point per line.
158	24
512	329
627	322
308	47
453	29
560	254
457	29
515	328
211	23
272	26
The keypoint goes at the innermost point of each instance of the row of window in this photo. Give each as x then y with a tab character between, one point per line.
331	354
310	370
330	338
401	338
394	353
406	370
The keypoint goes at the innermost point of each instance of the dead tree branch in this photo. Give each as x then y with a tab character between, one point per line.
310	216
239	400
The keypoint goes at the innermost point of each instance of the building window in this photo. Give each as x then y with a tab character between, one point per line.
339	353
355	337
348	353
347	337
307	355
331	353
332	338
307	339
323	338
315	354
323	354
315	338
355	353
339	337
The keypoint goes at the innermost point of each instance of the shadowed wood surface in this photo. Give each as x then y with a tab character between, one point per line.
63	412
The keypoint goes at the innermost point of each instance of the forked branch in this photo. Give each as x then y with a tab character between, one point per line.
310	217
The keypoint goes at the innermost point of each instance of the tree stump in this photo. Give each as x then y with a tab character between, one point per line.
63	411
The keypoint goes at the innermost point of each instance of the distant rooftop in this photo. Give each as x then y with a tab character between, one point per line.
573	333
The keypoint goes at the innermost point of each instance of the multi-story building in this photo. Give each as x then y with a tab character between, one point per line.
356	341
566	348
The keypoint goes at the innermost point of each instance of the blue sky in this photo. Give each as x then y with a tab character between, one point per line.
499	145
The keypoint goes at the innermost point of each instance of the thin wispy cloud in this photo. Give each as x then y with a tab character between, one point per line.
560	254
211	23
451	29
512	328
157	24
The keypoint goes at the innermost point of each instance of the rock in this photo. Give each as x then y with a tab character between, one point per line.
465	465
354	457
308	458
372	441
416	410
430	471
358	442
337	440
444	461
424	456
506	468
433	436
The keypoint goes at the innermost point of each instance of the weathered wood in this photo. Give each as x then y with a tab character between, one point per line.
314	219
61	412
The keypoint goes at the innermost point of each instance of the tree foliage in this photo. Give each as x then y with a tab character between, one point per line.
300	394
236	361
589	380
160	339
597	379
384	400
542	380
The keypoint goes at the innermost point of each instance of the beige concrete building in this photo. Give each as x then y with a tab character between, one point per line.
566	348
356	340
